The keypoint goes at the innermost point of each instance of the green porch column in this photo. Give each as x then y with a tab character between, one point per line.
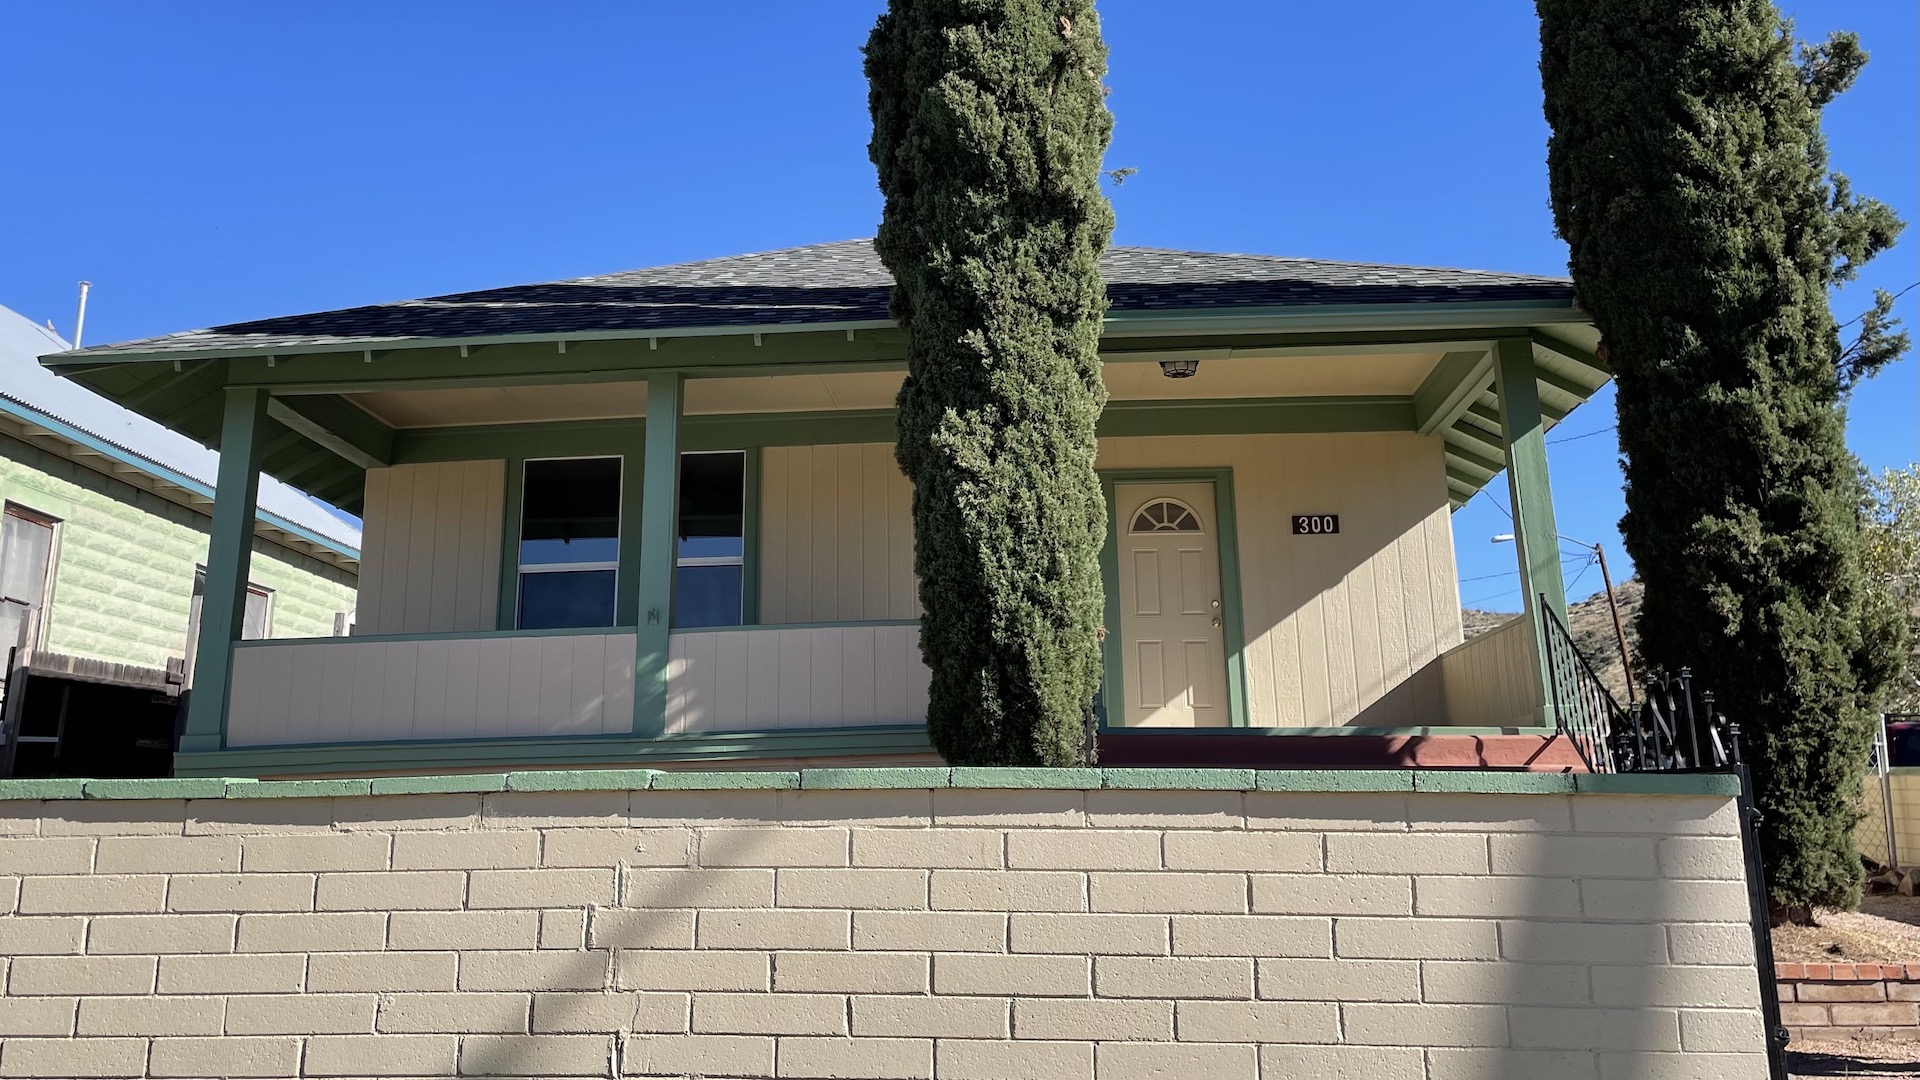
1536	539
229	557
659	544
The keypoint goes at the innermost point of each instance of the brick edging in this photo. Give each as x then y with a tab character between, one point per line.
1848	972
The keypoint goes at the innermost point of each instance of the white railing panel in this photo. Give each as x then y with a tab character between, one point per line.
766	678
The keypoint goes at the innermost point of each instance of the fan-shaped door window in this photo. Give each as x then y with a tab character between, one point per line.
1165	515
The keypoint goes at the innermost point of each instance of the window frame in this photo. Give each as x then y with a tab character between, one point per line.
747	525
521	569
36	619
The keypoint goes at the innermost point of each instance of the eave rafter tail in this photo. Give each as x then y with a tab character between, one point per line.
338	425
1573	354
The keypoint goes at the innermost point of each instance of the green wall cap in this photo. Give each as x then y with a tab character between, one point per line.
854	779
1334	780
581	780
168	788
723	780
1657	783
980	776
42	789
451	784
297	789
1148	779
1510	783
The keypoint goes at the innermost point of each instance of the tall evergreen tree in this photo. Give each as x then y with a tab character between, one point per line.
989	126
1689	179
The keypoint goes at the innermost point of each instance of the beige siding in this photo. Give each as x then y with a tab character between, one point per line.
1493	680
1339	629
836	529
822	676
345	690
431	548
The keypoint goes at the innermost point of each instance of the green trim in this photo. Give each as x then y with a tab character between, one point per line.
1255	416
1354	780
456	784
628	553
1232	626
660	501
1514	783
571	780
169	788
337	425
857	779
447	635
1408	782
1449	388
798	626
507	613
575	751
1536	538
229	555
297	789
750	539
1332	732
743	780
978	776
1574	354
1904	770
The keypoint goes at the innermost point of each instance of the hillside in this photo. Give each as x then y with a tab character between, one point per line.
1592	627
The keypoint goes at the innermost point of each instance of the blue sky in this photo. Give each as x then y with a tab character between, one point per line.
213	162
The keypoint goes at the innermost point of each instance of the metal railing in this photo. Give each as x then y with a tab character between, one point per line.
1674	728
1583	710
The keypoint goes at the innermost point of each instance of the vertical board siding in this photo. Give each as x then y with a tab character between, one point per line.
770	678
1341	629
1492	681
346	690
836	535
431	548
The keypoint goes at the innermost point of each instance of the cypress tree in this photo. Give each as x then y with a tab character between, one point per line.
1689	179
989	126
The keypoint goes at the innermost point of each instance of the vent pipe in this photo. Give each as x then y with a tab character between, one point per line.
80	319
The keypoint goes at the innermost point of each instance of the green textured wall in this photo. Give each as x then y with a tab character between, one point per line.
123	577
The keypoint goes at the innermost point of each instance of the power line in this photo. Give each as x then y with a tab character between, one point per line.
1862	315
1586	435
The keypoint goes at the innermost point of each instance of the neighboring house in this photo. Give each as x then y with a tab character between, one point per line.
653	517
103	548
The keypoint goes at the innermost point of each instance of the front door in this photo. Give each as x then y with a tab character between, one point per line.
1173	651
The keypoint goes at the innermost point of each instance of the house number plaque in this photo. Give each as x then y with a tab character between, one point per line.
1316	524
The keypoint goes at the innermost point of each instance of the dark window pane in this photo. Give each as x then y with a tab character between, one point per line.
706	596
712	547
711	502
566	598
570	511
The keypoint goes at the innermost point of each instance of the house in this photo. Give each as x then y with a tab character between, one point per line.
103	552
653	517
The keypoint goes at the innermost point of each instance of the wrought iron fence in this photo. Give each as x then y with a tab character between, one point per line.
1674	728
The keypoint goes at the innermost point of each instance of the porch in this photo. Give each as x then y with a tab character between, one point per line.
689	546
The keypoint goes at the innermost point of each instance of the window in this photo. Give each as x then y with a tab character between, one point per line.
569	542
26	554
711	556
255	624
1164	515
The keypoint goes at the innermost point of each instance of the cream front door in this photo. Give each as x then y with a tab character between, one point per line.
1173	651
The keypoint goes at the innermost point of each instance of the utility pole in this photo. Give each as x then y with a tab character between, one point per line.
1619	629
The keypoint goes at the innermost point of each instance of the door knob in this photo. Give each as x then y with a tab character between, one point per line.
1216	624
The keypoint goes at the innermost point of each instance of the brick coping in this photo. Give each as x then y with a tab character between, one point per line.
1385	781
1903	972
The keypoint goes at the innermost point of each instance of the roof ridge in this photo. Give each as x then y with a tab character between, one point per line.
741	257
1335	262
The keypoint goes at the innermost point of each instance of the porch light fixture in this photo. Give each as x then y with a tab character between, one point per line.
1179	369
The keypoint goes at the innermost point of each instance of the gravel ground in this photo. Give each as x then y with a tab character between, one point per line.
1886	929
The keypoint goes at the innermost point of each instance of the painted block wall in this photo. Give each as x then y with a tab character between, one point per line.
125	558
939	924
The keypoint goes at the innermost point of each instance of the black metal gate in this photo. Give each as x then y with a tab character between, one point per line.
1671	729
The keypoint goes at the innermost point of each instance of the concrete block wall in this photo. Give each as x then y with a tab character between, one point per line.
939	924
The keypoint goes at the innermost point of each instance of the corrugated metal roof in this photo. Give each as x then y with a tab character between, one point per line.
159	451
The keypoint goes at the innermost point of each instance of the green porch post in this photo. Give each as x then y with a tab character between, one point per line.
659	502
1536	539
229	557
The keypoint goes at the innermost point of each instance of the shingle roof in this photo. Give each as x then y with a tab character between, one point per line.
31	393
838	283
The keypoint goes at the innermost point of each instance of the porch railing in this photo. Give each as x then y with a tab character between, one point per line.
1583	710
